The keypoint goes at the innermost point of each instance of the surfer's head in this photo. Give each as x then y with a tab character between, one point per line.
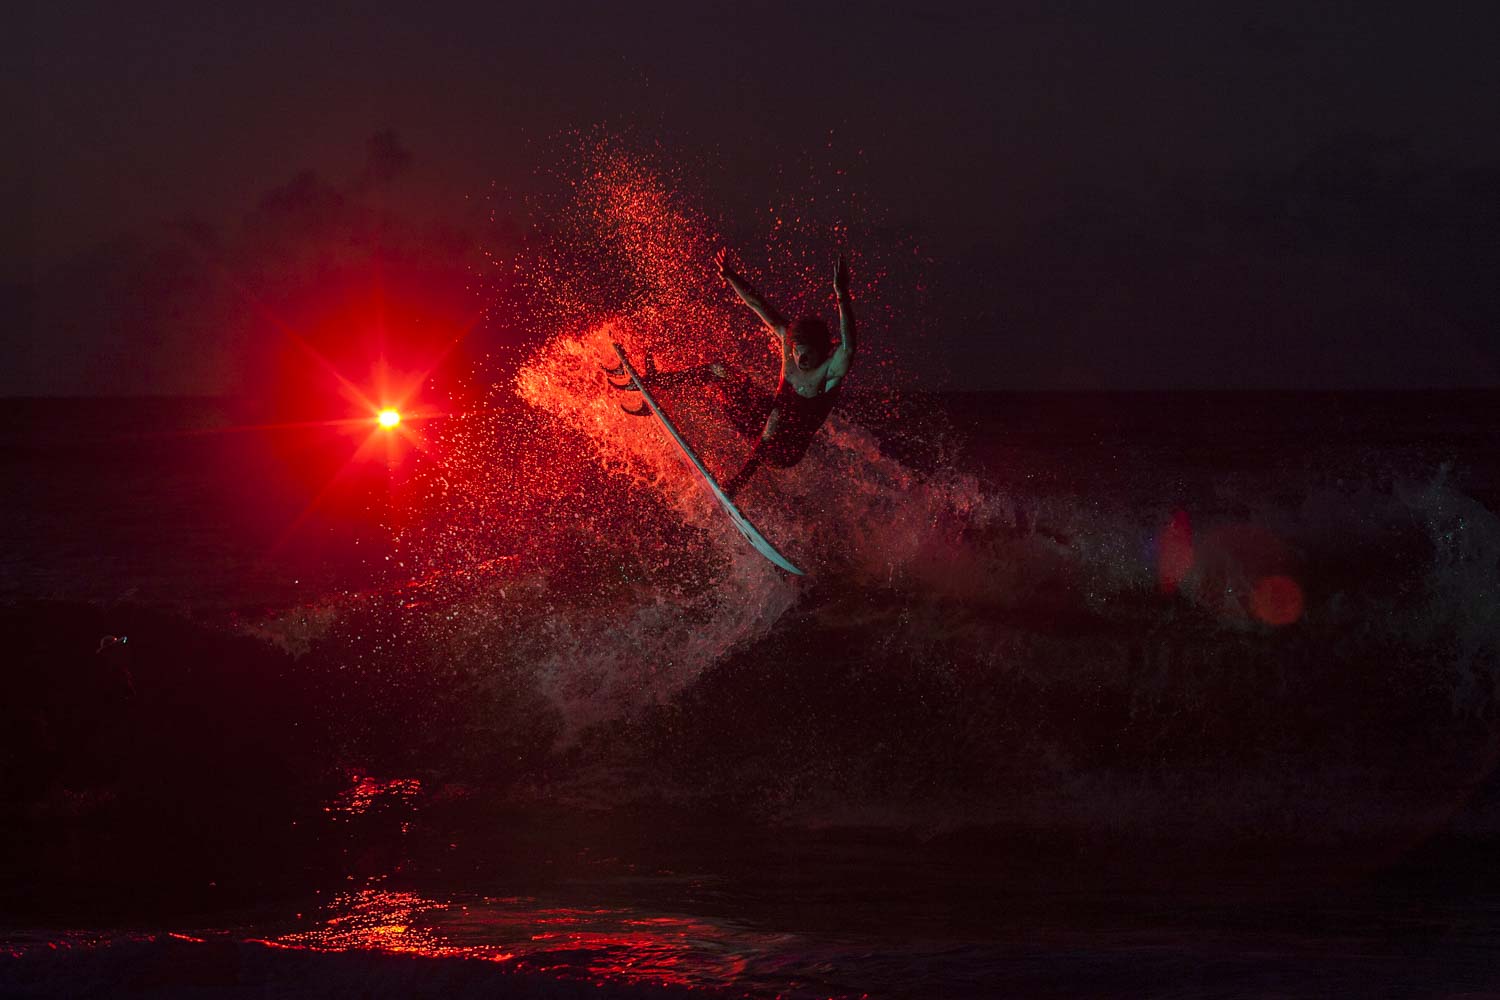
811	342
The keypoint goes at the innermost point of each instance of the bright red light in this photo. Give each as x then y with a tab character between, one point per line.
389	418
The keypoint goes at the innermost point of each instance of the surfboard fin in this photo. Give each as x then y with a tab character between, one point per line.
640	411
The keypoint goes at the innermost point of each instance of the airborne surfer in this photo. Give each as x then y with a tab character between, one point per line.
813	368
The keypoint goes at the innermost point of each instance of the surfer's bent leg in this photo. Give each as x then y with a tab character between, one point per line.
743	476
713	371
779	451
746	405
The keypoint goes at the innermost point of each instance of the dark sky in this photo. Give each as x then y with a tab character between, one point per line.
1020	140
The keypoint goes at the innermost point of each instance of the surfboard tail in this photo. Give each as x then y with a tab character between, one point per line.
629	385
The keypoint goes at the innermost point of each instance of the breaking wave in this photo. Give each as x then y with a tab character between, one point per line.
1303	655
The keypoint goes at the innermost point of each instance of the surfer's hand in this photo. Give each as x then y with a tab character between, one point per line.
841	276
721	262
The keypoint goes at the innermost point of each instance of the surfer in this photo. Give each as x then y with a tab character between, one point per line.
813	368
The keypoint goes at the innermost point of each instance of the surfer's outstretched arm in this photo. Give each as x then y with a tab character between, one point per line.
843	355
767	313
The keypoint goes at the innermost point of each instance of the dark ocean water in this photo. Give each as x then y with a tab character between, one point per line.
1139	694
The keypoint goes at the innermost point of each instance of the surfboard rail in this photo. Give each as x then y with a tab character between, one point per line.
750	531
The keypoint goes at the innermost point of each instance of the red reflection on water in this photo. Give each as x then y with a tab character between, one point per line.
600	945
382	920
365	791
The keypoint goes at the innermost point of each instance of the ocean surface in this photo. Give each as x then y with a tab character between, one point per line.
1186	694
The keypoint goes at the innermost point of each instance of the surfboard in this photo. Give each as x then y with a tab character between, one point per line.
740	521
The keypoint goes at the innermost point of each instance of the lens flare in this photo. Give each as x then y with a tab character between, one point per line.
389	418
1276	600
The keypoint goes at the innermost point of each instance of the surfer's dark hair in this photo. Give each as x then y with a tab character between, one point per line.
811	331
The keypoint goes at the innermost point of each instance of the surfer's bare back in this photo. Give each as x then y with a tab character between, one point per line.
813	368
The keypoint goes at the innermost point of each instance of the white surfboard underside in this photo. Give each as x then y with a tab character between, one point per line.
751	533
